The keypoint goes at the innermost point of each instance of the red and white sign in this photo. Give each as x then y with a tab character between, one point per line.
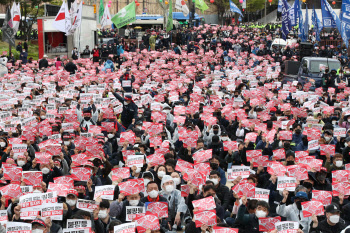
207	203
207	217
104	192
18	227
298	172
32	178
80	173
160	209
216	229
52	210
135	160
120	172
327	149
340	176
13	174
244	189
230	145
197	178
130	187
202	156
11	191
268	224
147	221
185	190
312	207
279	154
31	202
125	228
289	183
235	171
323	196
3	216
87	205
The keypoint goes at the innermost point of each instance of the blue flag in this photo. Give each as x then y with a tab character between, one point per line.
235	9
317	24
286	25
301	25
329	17
294	13
345	21
306	26
279	9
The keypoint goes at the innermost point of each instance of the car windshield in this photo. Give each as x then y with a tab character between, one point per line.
315	66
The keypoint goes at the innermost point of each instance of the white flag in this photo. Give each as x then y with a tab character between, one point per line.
62	21
106	18
16	16
76	17
181	5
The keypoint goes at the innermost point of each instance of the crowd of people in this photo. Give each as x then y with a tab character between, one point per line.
199	135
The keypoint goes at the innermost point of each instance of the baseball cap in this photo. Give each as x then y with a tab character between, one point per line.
39	221
72	192
128	97
332	208
301	195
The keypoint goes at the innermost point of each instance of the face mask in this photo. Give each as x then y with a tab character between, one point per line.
110	135
298	203
37	231
307	185
126	103
321	177
260	214
134	202
338	163
102	214
21	163
138	170
161	174
215	181
37	191
348	119
66	143
177	181
139	115
45	170
224	139
298	131
215	131
87	118
169	188
2	144
290	163
334	219
327	138
153	194
280	144
71	202
214	166
43	117
15	157
139	127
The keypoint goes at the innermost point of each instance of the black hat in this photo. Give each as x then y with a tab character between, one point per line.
332	208
215	140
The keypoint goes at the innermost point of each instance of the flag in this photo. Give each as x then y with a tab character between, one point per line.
76	14
73	8
345	21
279	9
16	16
301	24
317	24
234	8
306	26
329	17
286	26
294	13
63	21
201	5
125	16
169	23
7	30
101	10
181	5
106	18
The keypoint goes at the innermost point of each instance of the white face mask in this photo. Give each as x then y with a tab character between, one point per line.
224	139
215	181
327	138
348	119
169	188
2	144
21	163
177	181
102	214
43	117
138	170
66	143
260	214
110	135
280	144
166	111
71	202
338	163
134	202
139	115
37	231
15	156
45	170
37	191
126	103
139	127
153	194
334	219
161	174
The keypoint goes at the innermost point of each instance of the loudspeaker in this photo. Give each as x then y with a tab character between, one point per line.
291	67
306	49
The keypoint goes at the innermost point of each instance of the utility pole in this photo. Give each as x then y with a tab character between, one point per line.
265	11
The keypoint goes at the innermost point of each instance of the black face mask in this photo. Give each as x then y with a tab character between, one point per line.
290	163
298	203
87	118
307	185
215	131
214	166
81	195
298	131
321	177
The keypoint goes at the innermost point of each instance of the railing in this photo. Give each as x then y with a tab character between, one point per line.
335	43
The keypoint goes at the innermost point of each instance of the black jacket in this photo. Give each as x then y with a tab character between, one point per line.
223	193
71	67
324	227
43	63
129	111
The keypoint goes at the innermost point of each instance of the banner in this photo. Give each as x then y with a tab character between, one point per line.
329	17
201	5
285	19
125	16
317	26
169	23
235	9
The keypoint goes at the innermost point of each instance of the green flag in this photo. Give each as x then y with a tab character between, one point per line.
169	24
101	10
125	16
201	5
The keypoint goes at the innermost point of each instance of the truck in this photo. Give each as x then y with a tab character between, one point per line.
310	69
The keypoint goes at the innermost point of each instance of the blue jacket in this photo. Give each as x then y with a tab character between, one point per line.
108	65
